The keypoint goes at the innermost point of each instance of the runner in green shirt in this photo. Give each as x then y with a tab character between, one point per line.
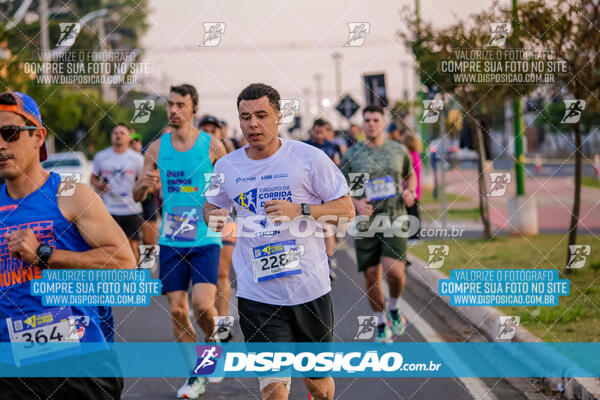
388	165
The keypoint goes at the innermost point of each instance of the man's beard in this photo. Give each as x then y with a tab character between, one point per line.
8	174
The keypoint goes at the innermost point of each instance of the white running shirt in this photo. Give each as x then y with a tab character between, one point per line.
299	173
121	171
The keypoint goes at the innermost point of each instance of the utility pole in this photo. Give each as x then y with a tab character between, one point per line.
108	94
306	105
420	94
318	78
337	57
443	151
405	68
44	38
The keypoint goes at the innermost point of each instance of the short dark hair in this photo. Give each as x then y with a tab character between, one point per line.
321	122
186	90
372	108
257	90
123	124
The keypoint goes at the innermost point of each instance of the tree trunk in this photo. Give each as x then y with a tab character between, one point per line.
577	197
483	200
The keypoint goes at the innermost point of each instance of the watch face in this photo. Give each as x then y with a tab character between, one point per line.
45	250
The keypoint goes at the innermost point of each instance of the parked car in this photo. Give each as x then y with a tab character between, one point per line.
455	153
68	163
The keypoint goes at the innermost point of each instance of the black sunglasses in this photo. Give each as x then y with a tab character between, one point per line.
11	133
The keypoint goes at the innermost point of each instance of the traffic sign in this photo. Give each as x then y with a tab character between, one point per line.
347	107
375	92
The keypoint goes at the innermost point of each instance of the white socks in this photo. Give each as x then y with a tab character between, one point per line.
392	303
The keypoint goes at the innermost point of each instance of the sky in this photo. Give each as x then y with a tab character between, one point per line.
284	44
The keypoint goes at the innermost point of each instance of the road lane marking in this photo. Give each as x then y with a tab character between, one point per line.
478	389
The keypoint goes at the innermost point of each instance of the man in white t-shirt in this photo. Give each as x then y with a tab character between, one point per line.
115	171
282	275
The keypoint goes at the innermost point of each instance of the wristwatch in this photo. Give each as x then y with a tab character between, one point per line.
305	209
44	252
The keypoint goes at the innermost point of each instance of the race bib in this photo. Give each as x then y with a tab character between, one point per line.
54	325
276	260
115	199
182	224
381	188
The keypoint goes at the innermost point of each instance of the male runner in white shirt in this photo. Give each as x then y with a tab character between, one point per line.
282	276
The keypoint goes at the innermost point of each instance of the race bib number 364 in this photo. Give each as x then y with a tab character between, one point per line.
55	325
276	260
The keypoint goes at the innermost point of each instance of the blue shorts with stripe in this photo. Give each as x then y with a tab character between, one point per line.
180	265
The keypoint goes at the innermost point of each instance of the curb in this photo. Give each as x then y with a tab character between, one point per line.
485	318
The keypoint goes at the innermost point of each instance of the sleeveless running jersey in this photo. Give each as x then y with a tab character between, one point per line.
185	176
22	312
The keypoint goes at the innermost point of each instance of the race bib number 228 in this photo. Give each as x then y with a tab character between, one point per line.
276	260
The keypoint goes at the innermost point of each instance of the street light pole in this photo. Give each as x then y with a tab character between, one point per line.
518	117
337	57
420	94
522	210
44	37
319	93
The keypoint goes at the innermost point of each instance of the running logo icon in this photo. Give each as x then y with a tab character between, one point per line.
68	33
358	33
223	325
507	327
358	181
143	109
500	31
213	182
77	327
437	255
366	327
573	110
499	183
148	256
212	34
578	254
431	111
288	109
68	183
187	223
264	222
247	201
207	359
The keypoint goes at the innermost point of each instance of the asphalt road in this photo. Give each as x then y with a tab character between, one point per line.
429	319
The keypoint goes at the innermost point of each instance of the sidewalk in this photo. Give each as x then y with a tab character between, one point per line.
553	195
486	320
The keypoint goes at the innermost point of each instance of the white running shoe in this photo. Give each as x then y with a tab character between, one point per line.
194	387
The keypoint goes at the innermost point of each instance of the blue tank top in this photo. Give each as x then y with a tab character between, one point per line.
18	308
185	176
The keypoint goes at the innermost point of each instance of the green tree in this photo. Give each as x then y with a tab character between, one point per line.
572	30
77	115
476	101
